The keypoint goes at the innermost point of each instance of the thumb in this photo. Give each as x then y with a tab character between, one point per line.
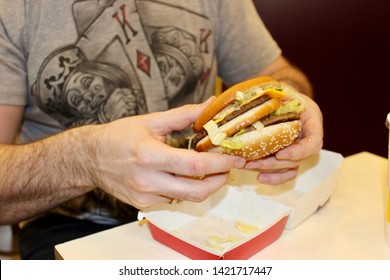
178	118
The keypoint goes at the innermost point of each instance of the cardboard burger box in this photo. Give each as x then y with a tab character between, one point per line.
245	216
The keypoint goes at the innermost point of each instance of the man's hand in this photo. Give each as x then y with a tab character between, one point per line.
134	164
127	158
283	166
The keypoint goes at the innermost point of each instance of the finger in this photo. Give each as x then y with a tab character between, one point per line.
310	142
162	157
144	200
301	149
271	163
145	191
188	189
277	177
176	119
162	187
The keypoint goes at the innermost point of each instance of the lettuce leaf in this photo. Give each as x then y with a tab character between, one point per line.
294	106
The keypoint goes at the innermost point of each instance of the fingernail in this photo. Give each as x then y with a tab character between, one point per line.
211	98
240	163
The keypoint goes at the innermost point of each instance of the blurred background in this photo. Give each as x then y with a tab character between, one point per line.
344	48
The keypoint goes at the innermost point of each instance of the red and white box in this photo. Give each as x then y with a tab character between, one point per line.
245	216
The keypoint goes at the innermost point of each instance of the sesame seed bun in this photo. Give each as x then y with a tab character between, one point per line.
242	121
252	119
226	98
269	140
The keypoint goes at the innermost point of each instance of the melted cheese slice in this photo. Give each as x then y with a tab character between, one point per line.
247	97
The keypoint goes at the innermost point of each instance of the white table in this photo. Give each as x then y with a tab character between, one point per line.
349	226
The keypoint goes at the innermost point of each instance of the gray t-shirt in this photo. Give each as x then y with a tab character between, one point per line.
87	62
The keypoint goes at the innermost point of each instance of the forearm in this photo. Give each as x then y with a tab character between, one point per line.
283	71
296	78
38	176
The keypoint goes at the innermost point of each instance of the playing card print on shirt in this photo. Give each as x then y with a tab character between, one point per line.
128	59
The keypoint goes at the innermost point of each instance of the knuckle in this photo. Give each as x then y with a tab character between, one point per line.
140	184
143	159
197	167
199	196
175	161
187	108
273	164
141	203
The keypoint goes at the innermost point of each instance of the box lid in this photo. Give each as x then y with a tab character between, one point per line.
245	216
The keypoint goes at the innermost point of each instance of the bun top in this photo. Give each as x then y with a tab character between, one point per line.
226	98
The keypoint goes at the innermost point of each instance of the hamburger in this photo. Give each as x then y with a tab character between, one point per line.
252	119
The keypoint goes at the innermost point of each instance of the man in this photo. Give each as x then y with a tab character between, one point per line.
70	68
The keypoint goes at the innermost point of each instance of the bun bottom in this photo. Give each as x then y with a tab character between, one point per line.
264	142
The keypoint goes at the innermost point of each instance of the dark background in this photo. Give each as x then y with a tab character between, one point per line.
343	47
